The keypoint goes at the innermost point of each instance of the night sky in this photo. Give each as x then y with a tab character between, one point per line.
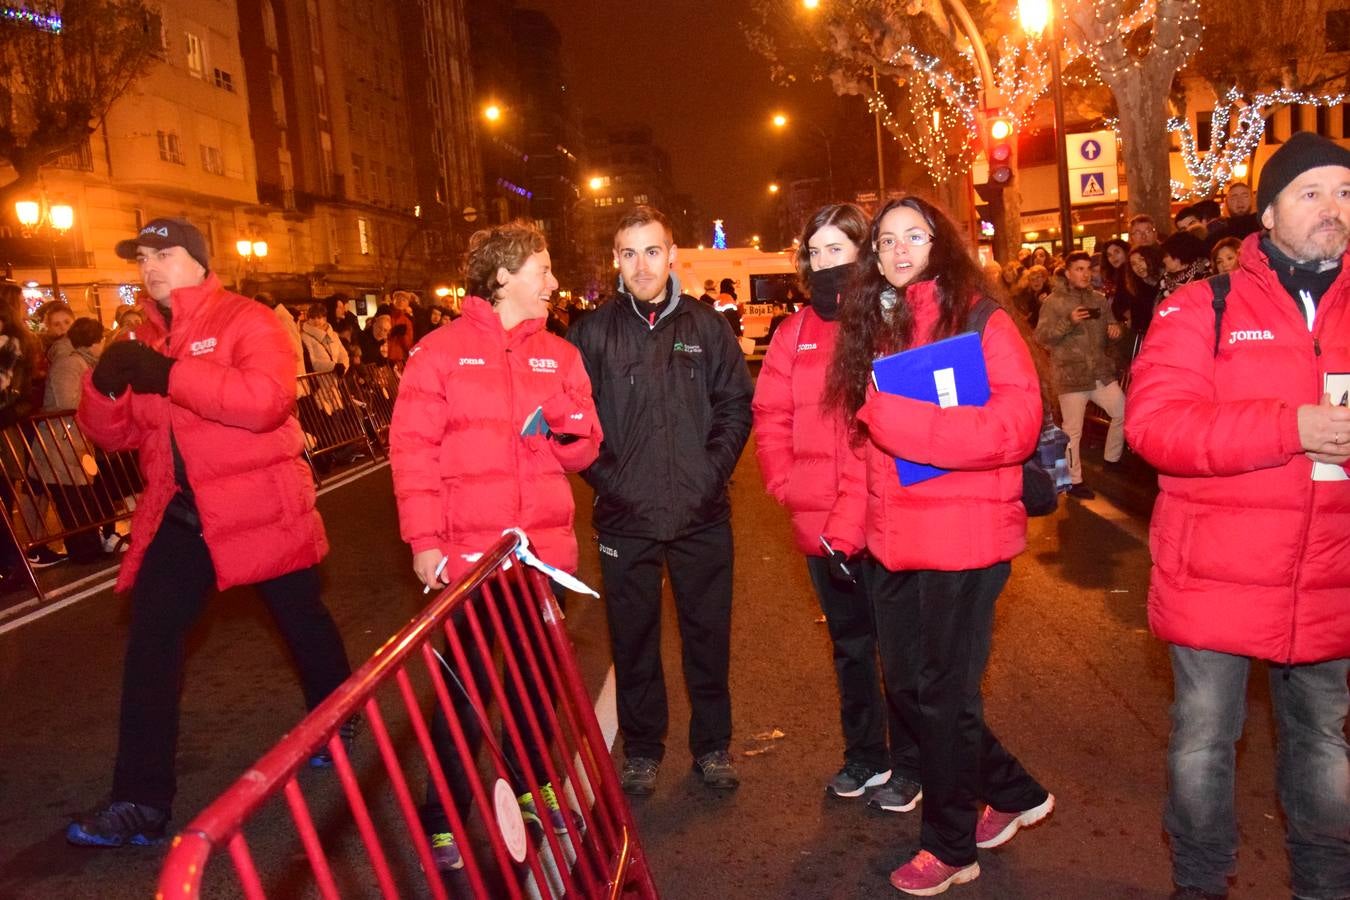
685	69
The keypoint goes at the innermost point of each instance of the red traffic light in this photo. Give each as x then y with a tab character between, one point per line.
999	148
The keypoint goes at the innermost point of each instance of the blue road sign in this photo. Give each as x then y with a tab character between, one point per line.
1090	150
1092	184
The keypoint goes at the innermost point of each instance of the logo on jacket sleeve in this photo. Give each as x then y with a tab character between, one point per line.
202	347
1252	335
802	347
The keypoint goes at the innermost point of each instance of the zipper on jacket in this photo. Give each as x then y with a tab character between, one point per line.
1307	524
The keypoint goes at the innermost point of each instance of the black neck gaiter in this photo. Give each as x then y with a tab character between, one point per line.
827	290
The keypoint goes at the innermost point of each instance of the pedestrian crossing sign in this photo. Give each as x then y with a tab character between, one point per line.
1091	184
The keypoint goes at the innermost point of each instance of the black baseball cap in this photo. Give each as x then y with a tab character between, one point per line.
164	233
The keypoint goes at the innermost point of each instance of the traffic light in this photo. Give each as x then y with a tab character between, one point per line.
1000	150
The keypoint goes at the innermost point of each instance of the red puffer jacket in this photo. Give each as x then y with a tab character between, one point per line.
802	452
973	516
230	407
1250	555
462	471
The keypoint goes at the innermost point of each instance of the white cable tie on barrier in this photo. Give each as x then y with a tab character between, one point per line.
571	582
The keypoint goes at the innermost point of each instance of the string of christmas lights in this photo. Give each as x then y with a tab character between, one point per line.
1237	127
944	141
39	20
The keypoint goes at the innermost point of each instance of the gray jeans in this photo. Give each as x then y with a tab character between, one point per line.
1312	770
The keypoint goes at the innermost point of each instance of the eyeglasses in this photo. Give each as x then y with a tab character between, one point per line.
916	238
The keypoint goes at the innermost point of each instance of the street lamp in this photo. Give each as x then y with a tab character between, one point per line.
492	112
250	251
773	188
56	218
1037	17
781	121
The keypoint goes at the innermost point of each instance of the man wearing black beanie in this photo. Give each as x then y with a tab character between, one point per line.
1243	407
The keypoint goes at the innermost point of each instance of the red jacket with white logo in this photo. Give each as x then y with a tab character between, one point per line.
1250	555
802	451
230	407
462	471
971	517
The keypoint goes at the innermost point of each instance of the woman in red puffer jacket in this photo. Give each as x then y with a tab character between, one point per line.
803	458
940	549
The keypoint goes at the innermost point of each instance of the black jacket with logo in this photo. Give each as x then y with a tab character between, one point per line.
673	399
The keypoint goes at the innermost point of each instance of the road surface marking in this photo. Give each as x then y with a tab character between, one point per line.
58	599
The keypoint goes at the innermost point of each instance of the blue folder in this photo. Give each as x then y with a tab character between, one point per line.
949	372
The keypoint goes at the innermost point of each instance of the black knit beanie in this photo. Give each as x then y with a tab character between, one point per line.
1303	151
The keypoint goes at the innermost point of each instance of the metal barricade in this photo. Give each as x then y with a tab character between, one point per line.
589	850
61	486
375	387
329	418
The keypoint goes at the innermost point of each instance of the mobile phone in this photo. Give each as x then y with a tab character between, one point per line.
1094	313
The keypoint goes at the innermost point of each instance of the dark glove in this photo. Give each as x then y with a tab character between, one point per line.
112	375
398	331
339	369
842	569
135	365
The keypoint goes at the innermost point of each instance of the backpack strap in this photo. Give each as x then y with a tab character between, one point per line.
980	313
1220	285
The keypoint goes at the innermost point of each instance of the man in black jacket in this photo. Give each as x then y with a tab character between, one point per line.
673	395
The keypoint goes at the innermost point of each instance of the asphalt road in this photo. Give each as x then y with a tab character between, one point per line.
1076	687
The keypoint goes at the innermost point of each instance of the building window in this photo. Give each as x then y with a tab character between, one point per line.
640	199
358	173
269	23
363	235
170	150
223	80
1204	124
321	91
196	57
212	160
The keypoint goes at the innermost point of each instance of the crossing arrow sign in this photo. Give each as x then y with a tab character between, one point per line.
1090	150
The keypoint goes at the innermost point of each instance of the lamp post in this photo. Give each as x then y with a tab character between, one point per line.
1037	16
55	218
781	122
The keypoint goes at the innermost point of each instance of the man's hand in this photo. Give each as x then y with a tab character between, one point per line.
1080	314
1113	332
425	565
1324	431
132	364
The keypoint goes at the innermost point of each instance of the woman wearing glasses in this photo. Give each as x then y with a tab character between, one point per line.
939	549
803	459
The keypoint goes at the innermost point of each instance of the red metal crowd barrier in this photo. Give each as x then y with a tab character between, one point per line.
588	849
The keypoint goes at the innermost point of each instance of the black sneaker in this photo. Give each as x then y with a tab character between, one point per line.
44	557
1082	492
897	795
638	778
717	771
855	778
323	757
117	824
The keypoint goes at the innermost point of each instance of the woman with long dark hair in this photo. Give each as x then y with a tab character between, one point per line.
940	549
803	458
1142	283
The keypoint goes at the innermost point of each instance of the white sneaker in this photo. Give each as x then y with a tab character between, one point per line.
114	543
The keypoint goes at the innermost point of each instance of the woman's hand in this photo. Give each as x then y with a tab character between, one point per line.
425	566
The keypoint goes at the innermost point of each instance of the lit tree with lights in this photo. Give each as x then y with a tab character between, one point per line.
62	66
1257	57
1139	64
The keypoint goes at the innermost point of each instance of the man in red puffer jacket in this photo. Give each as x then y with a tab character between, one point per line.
1251	532
205	391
